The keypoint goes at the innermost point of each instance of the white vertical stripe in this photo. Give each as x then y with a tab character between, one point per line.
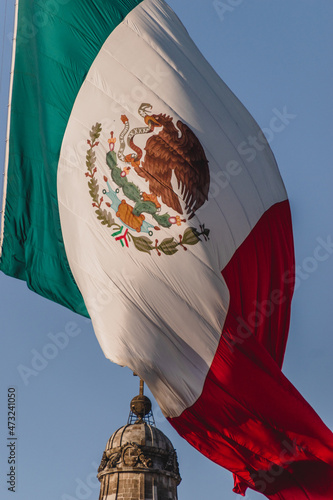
160	315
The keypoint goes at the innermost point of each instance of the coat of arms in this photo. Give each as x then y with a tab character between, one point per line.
136	216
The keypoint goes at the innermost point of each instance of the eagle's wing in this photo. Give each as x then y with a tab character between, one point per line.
191	169
160	160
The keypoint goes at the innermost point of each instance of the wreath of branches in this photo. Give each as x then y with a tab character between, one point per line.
168	246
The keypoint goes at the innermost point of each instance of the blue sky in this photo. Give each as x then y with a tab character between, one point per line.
276	57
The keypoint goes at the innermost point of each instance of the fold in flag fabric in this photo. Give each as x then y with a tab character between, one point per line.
140	192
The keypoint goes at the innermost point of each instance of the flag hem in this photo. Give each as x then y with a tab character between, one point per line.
4	192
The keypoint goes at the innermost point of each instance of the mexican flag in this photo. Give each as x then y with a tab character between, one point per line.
134	195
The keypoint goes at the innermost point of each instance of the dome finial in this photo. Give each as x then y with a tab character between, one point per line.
142	384
141	408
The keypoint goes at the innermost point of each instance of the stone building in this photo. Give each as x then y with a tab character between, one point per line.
139	461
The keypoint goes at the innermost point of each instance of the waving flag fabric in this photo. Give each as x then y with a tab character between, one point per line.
134	195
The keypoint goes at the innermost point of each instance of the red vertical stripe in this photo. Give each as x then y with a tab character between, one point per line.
249	418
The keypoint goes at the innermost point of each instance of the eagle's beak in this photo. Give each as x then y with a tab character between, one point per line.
151	122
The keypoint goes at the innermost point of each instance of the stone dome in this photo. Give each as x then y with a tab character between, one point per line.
139	461
139	446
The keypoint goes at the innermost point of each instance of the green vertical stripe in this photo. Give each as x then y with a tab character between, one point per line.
57	42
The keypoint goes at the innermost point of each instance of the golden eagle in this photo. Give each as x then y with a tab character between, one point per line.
179	151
